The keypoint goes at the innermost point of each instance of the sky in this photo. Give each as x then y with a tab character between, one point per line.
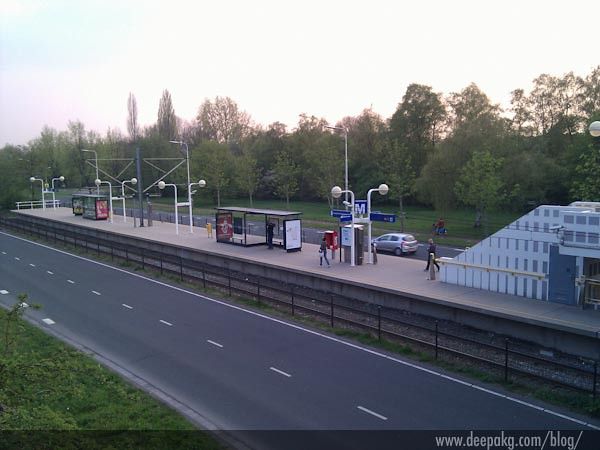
63	60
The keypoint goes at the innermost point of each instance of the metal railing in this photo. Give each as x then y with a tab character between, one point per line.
32	204
506	361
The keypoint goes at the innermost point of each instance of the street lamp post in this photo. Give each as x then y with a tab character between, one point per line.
96	160
201	184
336	192
32	180
133	182
383	189
187	158
98	182
345	130
61	179
162	185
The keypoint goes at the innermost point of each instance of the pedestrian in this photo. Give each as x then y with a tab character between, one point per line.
323	252
270	227
431	254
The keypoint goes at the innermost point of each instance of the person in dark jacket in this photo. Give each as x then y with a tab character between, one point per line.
323	253
431	254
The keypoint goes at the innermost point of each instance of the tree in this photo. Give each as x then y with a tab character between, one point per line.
167	121
248	174
398	174
418	123
222	121
132	118
480	184
586	183
216	165
286	176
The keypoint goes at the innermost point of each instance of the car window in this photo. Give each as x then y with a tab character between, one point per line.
383	238
394	238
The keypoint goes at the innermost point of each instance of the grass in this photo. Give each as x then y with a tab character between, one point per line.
47	385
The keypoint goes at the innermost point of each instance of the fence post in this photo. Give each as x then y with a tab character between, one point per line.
204	276
436	340
126	254
505	360
181	268
258	289
143	265
595	378
229	280
379	322
98	248
331	303
292	299
111	252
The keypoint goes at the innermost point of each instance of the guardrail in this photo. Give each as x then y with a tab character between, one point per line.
38	204
380	322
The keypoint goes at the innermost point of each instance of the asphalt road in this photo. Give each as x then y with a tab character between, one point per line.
239	370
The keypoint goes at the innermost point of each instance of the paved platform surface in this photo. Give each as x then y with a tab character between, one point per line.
403	275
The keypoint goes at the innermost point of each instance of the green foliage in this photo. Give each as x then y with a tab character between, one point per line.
586	183
286	177
166	122
480	184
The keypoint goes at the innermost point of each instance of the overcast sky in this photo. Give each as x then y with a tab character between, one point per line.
78	60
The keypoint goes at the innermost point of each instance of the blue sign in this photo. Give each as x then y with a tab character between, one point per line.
360	207
381	217
339	212
346	218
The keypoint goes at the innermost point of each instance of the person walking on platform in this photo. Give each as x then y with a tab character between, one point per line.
323	253
431	255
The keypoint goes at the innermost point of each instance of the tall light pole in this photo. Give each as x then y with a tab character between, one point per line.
201	184
98	182
162	185
96	159
187	158
336	192
133	182
345	130
383	189
32	180
61	179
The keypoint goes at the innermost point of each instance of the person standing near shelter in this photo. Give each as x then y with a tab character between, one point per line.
323	253
431	255
270	227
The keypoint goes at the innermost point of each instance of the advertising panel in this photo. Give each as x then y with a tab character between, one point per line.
77	206
101	209
224	227
347	236
293	235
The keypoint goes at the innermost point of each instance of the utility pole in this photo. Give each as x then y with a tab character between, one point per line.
138	167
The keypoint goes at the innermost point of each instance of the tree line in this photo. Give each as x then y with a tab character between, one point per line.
458	149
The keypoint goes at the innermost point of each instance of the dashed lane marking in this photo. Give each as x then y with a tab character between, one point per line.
32	265
49	272
127	306
48	321
166	323
281	372
3	292
373	413
96	292
70	281
216	344
17	258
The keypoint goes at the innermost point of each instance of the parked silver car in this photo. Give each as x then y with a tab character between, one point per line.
399	243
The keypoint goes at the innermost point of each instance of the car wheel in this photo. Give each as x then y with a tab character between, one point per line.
398	252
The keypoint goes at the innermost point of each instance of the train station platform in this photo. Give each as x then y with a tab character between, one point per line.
402	275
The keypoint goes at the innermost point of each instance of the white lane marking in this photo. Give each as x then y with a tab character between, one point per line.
214	343
49	273
3	292
166	323
17	258
4	253
127	306
96	292
305	330
281	372
48	321
32	265
373	413
70	281
25	305
459	249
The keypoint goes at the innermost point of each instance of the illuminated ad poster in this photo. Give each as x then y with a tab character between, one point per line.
224	226
347	236
101	209
77	206
293	235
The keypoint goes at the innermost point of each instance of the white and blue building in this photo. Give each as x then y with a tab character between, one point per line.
551	254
